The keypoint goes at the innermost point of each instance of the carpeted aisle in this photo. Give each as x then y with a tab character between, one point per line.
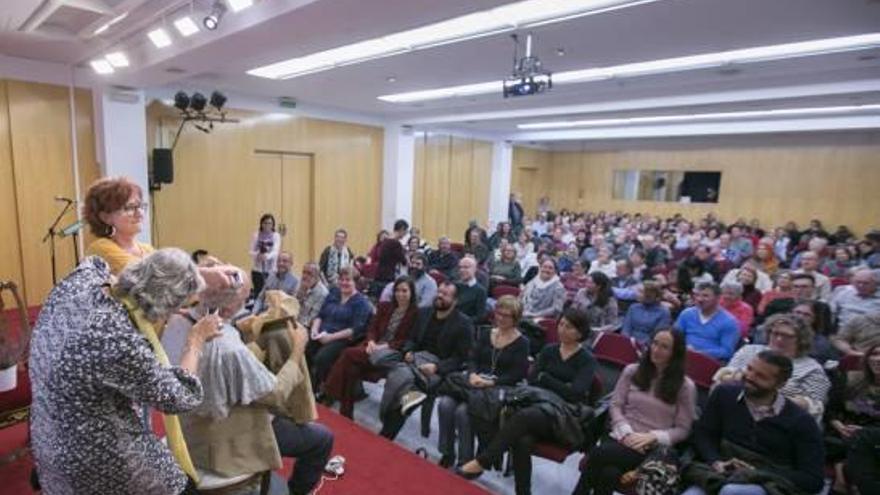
373	465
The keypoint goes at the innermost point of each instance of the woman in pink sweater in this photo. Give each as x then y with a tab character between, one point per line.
654	404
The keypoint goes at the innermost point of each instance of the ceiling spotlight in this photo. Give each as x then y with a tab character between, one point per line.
102	66
237	5
159	37
117	59
560	52
212	20
198	102
185	26
391	79
181	101
218	99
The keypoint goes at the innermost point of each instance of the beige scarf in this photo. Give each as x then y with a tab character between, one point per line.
173	433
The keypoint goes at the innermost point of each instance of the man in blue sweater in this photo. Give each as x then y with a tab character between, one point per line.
751	438
707	327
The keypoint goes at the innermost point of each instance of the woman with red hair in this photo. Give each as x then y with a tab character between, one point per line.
114	209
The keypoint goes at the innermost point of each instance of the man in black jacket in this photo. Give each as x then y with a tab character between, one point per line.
439	344
751	437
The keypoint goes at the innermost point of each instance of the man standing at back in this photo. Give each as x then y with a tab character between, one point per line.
707	327
439	344
391	255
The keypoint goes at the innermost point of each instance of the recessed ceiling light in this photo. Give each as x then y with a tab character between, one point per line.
668	119
518	15
117	59
237	5
106	26
101	66
560	52
391	79
664	66
159	37
186	26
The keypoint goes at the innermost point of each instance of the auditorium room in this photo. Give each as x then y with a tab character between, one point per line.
382	247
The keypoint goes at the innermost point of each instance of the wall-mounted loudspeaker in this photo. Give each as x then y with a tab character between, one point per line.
163	166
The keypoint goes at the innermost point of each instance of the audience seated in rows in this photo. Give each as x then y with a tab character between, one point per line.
335	256
597	300
544	295
282	279
645	317
471	295
425	285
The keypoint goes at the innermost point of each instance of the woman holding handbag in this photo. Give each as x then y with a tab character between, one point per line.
499	357
654	404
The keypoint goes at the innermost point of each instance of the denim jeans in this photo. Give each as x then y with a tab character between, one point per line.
310	444
731	489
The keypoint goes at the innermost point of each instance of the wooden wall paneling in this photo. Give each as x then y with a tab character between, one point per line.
771	183
436	189
220	190
41	153
460	212
481	178
89	169
10	246
298	206
531	176
346	173
348	179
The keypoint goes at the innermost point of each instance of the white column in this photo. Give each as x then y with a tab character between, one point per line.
121	139
397	174
499	184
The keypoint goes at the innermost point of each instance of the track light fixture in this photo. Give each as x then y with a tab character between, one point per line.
194	108
212	20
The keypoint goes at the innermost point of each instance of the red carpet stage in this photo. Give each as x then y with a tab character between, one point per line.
374	465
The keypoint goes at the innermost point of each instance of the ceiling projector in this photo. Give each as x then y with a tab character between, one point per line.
528	77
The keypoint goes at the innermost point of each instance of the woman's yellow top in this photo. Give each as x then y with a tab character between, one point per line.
114	255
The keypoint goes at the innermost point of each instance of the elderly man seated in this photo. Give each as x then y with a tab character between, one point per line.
233	431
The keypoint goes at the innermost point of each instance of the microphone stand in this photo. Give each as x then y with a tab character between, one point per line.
50	236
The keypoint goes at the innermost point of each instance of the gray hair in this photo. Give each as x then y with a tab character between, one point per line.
161	283
228	298
735	287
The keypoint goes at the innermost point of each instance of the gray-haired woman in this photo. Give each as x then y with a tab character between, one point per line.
789	335
95	359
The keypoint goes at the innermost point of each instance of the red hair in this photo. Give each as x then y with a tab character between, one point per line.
107	195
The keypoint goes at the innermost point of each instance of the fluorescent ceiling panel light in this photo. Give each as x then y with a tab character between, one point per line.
106	26
237	5
186	26
697	117
676	64
159	37
101	66
117	59
508	17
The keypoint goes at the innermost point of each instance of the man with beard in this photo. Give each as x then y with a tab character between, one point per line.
439	344
426	286
753	440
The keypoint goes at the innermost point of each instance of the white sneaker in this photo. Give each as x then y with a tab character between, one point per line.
411	400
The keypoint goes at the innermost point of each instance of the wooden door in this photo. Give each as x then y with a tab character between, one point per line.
297	216
220	190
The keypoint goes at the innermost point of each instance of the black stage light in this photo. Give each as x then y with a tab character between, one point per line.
212	20
198	102
181	101
218	99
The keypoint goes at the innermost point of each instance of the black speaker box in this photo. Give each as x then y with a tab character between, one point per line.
163	166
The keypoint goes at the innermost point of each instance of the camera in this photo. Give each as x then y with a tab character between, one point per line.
335	466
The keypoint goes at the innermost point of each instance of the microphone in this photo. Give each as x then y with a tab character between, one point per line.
66	200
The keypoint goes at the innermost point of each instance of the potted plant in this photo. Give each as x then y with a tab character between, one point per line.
13	348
